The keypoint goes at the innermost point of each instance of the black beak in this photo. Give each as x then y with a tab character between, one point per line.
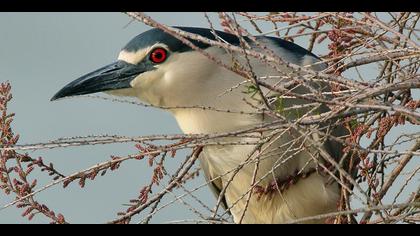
117	75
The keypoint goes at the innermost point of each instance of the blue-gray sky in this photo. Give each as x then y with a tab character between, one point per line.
39	54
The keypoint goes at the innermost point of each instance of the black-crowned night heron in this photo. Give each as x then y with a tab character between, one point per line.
159	69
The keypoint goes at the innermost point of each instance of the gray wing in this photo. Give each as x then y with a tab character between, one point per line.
300	56
216	186
292	52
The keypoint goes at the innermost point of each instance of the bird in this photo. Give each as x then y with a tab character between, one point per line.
162	70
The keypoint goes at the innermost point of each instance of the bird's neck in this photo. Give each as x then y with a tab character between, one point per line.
196	121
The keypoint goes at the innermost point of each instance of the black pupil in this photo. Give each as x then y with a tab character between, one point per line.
158	55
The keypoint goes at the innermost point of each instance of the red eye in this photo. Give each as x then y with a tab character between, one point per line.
158	55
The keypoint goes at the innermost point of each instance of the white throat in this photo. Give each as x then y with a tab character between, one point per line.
195	121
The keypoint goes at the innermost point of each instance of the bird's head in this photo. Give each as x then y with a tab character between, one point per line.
156	68
161	70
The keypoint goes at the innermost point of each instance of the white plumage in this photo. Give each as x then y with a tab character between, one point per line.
204	83
188	78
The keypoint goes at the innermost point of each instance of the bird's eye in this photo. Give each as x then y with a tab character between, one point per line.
158	55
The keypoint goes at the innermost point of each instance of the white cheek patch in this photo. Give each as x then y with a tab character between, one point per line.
136	57
145	79
132	57
136	80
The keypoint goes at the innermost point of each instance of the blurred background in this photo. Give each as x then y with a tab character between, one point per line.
42	52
